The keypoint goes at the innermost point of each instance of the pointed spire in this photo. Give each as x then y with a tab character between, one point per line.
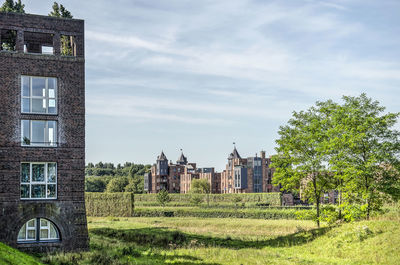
235	153
162	156
182	159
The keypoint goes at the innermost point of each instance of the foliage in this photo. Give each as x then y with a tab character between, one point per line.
272	198
11	6
196	199
109	204
135	185
8	41
329	214
117	184
60	11
351	147
128	169
369	152
200	186
163	197
218	213
96	184
302	156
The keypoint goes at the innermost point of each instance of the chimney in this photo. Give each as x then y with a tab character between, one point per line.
262	154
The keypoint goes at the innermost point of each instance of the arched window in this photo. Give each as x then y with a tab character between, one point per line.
38	229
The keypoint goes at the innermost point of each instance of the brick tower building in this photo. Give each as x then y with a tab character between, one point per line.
42	133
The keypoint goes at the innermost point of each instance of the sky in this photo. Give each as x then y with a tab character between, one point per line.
200	75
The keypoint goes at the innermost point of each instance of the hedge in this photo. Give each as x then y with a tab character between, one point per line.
273	198
216	213
119	204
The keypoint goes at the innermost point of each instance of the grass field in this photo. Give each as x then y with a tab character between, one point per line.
236	241
190	240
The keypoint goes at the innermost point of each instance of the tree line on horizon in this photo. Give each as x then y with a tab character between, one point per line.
106	177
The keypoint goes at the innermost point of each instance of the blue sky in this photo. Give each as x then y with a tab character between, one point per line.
199	75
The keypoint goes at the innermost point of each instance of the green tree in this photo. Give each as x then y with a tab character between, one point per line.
117	184
60	11
10	6
201	186
303	153
135	185
66	41
96	184
163	197
369	152
9	39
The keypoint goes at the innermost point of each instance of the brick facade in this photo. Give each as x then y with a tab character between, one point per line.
67	211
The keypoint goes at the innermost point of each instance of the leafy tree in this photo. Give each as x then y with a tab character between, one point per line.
302	153
201	186
10	6
117	184
96	184
163	197
135	185
9	40
90	165
60	11
369	152
99	165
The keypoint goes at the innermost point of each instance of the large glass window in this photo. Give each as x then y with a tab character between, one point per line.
39	95
38	181
38	229
38	133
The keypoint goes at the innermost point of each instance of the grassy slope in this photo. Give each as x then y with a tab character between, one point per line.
237	241
229	241
12	256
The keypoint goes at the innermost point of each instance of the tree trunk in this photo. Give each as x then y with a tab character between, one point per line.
340	203
317	198
367	192
318	212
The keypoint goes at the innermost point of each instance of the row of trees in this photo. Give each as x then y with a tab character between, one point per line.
350	147
105	177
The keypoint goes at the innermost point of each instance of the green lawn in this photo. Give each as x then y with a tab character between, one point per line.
12	256
236	241
191	240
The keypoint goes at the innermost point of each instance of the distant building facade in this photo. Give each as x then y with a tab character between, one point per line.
247	175
242	175
165	175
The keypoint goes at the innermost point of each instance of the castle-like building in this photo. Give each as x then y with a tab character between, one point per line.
242	175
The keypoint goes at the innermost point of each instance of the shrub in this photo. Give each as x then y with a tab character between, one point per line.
119	204
219	213
163	197
196	199
272	199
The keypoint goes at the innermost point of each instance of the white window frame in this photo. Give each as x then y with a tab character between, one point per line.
45	97
45	182
47	141
37	229
238	184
